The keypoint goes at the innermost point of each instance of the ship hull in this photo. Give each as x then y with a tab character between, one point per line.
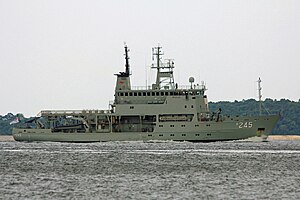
231	129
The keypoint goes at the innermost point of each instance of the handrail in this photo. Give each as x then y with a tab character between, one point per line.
70	112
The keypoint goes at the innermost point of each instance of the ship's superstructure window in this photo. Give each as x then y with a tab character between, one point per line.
183	134
172	135
130	93
161	135
171	125
135	94
182	125
126	93
140	94
161	125
131	107
175	117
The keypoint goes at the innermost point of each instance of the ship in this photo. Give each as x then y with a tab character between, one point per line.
163	111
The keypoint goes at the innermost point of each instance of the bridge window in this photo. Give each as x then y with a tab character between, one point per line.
140	94
121	94
130	93
144	93
135	93
126	93
148	93
153	93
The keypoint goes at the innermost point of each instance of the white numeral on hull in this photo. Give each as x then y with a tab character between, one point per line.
245	124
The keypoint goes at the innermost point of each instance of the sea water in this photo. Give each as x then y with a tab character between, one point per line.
139	170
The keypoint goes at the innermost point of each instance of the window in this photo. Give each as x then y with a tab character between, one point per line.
140	94
183	134
150	135
197	134
172	135
171	125
197	125
148	93
130	93
135	94
182	125
161	125
160	135
131	107
126	93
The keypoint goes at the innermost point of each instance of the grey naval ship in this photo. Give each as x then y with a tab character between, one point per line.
162	111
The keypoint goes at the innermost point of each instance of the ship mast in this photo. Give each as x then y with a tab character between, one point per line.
157	52
123	78
164	75
126	61
259	96
261	105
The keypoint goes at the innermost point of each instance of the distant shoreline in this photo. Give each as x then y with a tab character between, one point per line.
9	138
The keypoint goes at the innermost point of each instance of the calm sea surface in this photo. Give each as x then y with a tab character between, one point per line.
137	170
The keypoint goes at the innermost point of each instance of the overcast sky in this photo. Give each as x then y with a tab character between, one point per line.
59	54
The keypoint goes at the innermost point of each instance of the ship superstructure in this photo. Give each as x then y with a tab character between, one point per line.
164	111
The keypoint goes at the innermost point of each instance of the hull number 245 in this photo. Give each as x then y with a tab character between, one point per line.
245	124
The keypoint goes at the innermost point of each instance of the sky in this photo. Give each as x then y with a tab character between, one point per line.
63	54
